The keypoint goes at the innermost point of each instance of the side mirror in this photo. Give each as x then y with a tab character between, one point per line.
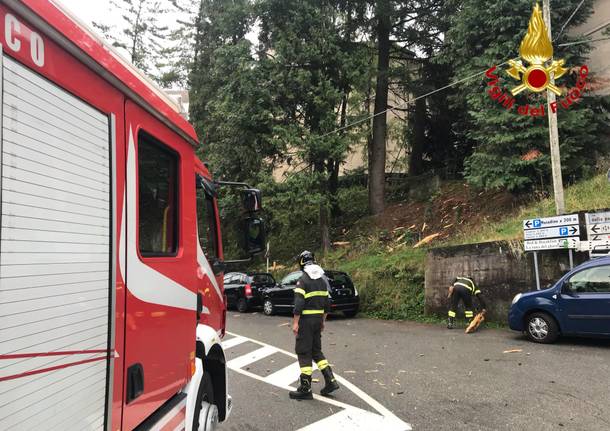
218	266
252	200
254	235
566	289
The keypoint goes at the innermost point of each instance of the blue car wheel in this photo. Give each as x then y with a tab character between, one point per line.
541	328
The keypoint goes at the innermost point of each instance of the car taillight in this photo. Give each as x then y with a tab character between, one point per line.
248	290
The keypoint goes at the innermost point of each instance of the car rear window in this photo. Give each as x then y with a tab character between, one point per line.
262	279
339	279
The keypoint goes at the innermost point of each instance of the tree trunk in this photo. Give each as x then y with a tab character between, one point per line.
377	150
419	138
333	188
324	219
333	165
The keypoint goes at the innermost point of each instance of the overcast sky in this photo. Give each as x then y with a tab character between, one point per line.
91	10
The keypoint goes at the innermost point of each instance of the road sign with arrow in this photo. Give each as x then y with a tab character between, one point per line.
552	232
538	223
598	232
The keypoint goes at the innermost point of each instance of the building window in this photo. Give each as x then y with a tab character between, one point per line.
158	197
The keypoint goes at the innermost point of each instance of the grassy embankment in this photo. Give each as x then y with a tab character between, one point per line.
390	276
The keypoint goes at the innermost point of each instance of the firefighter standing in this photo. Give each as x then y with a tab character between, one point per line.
311	305
463	288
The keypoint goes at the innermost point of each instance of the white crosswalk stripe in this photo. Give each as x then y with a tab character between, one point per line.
354	419
284	377
251	357
235	341
349	418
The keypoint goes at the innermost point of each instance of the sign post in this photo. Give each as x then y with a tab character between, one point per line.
536	271
560	205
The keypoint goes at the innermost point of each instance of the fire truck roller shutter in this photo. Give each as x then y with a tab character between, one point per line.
54	256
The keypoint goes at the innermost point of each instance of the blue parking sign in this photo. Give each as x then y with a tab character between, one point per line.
537	223
563	231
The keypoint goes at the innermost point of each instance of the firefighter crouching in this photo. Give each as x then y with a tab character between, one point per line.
311	305
463	288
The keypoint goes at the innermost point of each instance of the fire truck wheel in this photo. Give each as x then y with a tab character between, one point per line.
206	413
242	305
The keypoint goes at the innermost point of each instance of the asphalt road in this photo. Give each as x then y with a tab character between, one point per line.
423	375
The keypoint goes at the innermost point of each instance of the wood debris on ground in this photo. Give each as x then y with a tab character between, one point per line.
426	240
513	351
341	243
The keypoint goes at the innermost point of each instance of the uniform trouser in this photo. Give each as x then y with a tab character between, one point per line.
308	345
461	293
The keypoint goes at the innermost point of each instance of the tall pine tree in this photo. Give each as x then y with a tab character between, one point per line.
313	64
141	34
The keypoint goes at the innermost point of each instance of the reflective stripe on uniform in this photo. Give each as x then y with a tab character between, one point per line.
299	290
316	293
457	283
313	312
451	314
477	292
308	371
468	313
322	364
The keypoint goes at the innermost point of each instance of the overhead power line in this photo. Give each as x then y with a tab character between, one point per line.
369	117
468	78
565	24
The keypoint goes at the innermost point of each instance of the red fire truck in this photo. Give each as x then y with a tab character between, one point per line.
112	307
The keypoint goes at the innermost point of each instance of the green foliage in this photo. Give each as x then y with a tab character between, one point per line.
592	194
391	286
480	37
231	95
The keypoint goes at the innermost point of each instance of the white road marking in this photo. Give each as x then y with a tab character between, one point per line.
251	357
285	377
355	420
233	342
351	418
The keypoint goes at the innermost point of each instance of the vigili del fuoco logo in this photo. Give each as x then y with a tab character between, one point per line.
535	75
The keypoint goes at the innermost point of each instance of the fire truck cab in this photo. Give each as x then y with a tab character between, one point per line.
112	307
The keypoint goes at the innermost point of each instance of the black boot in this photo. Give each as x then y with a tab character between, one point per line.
329	379
303	392
451	323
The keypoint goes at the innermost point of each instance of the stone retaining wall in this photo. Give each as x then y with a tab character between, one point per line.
501	270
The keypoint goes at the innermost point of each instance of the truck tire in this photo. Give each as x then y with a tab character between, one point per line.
242	305
541	327
206	412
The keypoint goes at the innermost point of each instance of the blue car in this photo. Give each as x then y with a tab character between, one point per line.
578	304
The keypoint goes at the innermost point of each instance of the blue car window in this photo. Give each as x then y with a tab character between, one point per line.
592	280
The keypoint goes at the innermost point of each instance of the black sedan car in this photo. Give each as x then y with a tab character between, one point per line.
343	294
245	290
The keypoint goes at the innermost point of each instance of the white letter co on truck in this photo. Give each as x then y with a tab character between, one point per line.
15	32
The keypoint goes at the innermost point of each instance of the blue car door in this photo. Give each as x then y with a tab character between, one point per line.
584	303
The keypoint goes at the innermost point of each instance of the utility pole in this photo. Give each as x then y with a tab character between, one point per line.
560	205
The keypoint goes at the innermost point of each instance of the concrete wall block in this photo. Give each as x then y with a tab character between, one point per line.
501	270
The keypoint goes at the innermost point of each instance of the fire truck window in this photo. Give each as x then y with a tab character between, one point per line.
206	224
158	198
